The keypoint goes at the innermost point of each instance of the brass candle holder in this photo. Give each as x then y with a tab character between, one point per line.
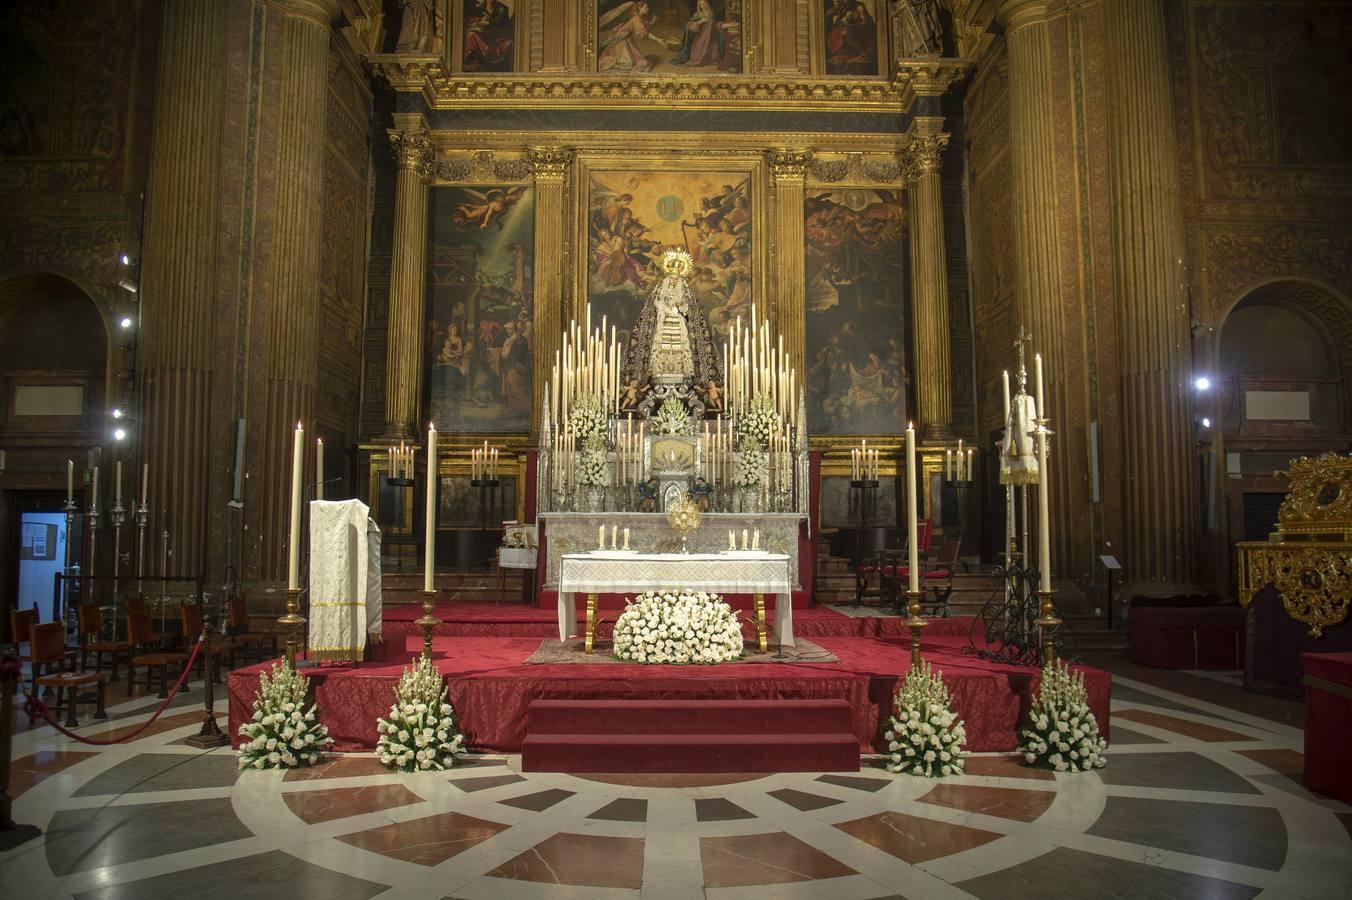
427	621
292	623
915	622
1047	621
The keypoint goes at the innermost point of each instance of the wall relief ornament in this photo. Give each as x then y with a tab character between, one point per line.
481	165
855	168
786	164
411	150
550	163
923	155
1235	261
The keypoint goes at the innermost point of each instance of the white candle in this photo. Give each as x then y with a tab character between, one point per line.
145	481
745	543
1037	368
430	524
293	546
959	460
1044	515
732	539
117	483
755	539
1005	380
948	464
70	480
319	468
626	539
614	535
601	537
969	463
912	521
94	493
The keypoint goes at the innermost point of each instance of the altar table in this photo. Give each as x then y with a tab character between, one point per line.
737	572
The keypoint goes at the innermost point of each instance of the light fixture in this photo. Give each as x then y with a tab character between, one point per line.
117	413
120	434
125	322
125	259
127	285
1206	422
1202	383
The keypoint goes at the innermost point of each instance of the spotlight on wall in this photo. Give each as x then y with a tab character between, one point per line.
126	259
125	322
1206	422
128	285
120	434
1202	383
117	413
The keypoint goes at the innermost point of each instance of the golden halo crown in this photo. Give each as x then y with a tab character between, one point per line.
677	262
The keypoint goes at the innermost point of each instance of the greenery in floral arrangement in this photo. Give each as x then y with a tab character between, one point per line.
591	467
1062	734
678	627
925	736
421	731
671	418
282	734
753	465
589	422
761	422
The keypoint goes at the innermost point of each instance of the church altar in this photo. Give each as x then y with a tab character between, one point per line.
617	571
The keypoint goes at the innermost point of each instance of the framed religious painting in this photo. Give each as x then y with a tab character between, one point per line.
853	34
856	310
480	307
668	37
489	35
633	213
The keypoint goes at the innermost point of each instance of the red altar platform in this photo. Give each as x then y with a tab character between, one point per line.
482	654
1328	724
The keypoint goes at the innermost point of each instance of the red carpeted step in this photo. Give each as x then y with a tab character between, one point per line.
657	717
690	753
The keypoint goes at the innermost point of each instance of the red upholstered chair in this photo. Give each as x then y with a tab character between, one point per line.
936	575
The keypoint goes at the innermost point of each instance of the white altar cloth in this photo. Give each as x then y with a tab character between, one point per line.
345	598
617	572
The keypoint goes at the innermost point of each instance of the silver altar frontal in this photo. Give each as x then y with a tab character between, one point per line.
572	532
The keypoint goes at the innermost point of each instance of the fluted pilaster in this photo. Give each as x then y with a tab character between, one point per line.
788	174
929	283
178	274
408	281
551	167
293	302
1154	341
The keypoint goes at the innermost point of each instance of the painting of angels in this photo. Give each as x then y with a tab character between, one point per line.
481	308
857	379
640	37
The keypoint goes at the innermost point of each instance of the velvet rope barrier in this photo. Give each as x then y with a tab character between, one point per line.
33	707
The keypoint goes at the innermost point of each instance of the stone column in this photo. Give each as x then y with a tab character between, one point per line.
1160	535
1039	304
929	283
551	167
408	281
178	273
788	175
292	308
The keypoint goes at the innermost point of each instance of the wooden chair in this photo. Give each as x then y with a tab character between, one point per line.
21	622
247	640
139	630
936	575
47	645
137	603
191	614
91	640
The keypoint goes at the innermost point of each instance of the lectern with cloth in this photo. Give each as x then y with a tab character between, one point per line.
345	593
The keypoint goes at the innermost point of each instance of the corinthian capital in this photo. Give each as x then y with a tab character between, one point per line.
550	164
923	153
788	164
412	150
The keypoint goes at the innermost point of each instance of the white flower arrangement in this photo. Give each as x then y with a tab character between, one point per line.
671	418
925	736
753	466
1063	733
591	467
761	422
588	421
679	628
282	734
421	732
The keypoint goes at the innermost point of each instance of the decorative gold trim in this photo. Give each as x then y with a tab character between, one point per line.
1313	578
931	76
1320	500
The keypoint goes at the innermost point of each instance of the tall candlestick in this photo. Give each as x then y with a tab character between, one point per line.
430	524
1037	368
117	483
319	468
1043	515
70	480
293	546
912	520
94	492
1004	377
145	481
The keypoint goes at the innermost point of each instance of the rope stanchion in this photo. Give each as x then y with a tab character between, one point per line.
35	708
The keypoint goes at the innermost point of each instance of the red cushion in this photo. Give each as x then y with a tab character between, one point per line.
936	573
867	570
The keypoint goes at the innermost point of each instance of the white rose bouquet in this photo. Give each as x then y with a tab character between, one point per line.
591	467
421	731
589	421
282	734
761	422
671	418
678	628
753	466
925	736
1062	734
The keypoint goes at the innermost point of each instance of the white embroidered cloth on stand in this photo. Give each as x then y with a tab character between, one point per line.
341	565
375	596
615	572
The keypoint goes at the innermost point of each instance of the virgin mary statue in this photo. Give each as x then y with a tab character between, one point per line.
671	342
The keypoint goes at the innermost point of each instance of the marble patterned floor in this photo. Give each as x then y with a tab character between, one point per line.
1200	799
